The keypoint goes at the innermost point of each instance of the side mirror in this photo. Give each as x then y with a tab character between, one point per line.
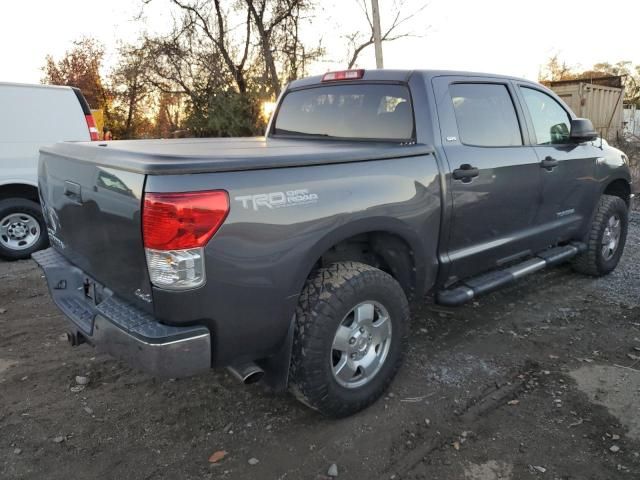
582	130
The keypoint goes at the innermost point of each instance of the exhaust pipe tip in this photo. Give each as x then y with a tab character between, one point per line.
247	373
75	339
253	377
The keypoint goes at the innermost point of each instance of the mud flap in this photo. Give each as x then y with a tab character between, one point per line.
276	367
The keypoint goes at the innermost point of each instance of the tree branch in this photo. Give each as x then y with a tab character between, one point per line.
387	36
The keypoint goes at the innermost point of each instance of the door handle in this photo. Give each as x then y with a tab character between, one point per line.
73	191
549	163
465	173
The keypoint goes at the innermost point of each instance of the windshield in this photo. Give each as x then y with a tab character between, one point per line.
358	111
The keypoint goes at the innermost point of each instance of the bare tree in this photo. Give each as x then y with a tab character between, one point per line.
267	21
130	87
167	121
556	69
216	31
80	67
226	57
266	32
396	29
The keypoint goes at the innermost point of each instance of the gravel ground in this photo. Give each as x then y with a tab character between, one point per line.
539	380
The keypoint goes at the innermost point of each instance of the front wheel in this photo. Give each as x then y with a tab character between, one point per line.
22	228
352	324
606	238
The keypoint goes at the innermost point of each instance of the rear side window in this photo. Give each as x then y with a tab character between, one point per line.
358	111
551	122
485	115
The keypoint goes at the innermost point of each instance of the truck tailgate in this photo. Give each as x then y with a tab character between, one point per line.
93	214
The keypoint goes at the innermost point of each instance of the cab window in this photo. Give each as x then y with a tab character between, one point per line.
485	115
551	122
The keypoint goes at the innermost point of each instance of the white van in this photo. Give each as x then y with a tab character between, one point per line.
32	116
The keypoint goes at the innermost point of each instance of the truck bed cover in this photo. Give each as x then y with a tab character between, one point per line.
207	155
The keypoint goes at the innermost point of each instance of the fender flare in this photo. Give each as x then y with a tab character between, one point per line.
363	226
614	178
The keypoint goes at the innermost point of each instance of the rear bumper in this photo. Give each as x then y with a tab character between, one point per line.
120	329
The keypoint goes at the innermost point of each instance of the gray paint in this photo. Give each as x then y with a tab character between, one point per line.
97	227
267	254
259	259
205	155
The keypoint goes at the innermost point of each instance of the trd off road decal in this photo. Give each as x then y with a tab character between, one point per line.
273	200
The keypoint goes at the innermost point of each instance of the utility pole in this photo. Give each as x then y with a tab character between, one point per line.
377	34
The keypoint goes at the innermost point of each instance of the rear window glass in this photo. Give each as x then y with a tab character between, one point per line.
359	111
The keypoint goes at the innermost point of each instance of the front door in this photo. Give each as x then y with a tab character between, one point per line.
568	168
494	178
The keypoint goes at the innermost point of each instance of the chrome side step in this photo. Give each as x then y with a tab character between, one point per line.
471	288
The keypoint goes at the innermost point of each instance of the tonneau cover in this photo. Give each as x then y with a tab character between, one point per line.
189	155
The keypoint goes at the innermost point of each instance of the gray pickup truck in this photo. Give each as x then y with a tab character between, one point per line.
292	258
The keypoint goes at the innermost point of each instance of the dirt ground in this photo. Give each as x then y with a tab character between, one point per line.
540	380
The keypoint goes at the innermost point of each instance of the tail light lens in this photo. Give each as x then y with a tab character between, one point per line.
174	221
93	130
175	229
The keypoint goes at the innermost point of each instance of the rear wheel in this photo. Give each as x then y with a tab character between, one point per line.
606	239
351	329
22	228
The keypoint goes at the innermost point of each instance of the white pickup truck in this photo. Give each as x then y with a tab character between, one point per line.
32	116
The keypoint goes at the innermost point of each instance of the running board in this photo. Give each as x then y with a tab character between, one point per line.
487	282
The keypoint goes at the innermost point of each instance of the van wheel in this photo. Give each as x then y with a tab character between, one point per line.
606	239
22	228
352	323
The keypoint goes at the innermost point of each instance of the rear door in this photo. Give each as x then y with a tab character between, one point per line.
567	168
494	178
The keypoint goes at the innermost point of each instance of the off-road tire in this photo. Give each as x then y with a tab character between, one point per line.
23	205
591	262
328	296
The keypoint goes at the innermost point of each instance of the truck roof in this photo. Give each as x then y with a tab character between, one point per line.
404	75
33	85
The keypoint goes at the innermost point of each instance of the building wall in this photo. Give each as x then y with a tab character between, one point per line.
632	121
600	104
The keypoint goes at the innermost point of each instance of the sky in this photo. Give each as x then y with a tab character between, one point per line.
499	36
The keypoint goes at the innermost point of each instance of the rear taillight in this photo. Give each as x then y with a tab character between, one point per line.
174	221
93	130
175	229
